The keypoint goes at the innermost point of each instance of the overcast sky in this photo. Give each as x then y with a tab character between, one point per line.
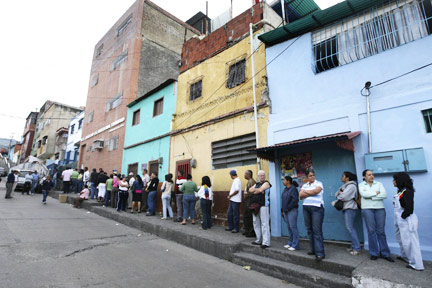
47	48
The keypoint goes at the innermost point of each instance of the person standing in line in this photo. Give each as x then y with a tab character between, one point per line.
35	182
10	183
80	181
28	183
152	192
374	215
290	199
74	181
167	187
247	215
93	182
205	194
406	222
146	182
47	185
348	193
122	194
188	188
234	205
66	177
115	190
86	176
313	213
260	203
131	182
179	195
103	177
137	189
84	195
109	188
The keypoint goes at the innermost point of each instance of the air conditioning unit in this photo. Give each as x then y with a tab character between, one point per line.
98	144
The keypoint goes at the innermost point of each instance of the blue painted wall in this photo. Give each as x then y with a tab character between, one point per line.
306	105
150	127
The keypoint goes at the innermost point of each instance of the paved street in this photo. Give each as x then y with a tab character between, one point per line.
59	246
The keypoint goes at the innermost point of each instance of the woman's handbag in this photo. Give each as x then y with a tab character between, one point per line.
338	204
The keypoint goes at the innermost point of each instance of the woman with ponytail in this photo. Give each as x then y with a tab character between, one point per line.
206	199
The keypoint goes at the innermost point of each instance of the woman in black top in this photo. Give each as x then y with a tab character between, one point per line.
152	191
290	199
406	222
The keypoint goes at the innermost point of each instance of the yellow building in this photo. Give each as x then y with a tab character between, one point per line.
214	124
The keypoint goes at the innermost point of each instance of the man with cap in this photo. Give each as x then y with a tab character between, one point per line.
10	183
235	197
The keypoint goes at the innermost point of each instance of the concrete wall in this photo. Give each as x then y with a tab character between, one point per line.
306	105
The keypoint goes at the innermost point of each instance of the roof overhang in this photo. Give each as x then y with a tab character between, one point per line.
343	140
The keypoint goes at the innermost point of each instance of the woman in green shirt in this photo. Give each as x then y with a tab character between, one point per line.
109	186
189	199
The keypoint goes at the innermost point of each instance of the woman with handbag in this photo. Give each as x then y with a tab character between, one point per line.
347	195
137	189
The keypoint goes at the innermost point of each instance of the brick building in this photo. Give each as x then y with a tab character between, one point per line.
141	51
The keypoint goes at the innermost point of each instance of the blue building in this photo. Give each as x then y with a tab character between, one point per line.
318	69
148	124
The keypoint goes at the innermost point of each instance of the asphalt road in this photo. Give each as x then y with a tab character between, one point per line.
55	245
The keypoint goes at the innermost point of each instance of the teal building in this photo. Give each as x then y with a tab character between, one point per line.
148	126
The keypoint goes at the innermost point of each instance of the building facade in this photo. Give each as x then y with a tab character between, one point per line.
74	138
52	116
148	125
28	135
214	124
136	55
318	82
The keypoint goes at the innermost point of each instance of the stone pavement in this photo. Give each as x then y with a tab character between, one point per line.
339	269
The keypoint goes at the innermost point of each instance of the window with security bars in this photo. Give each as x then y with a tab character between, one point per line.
124	25
233	152
119	60
90	117
114	102
112	143
381	28
195	90
427	117
236	74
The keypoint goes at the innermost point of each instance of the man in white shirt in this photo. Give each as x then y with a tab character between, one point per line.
235	197
86	176
66	176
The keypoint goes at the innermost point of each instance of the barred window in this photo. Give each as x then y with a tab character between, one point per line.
90	117
114	102
233	152
236	74
195	90
381	28
427	117
124	25
112	143
119	60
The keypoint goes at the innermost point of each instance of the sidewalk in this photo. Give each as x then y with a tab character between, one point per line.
339	269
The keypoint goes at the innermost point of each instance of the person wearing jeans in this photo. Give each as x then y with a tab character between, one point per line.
348	193
122	195
313	213
205	195
152	190
374	215
189	188
166	189
47	185
289	209
235	198
179	196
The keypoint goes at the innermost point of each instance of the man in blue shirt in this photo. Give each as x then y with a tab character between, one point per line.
35	182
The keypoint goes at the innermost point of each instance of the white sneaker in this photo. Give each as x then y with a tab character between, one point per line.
163	218
287	246
291	249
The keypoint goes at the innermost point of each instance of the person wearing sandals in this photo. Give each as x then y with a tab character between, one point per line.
137	190
167	187
374	215
406	222
188	188
205	194
290	199
348	193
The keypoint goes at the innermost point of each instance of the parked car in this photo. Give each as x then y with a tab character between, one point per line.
3	172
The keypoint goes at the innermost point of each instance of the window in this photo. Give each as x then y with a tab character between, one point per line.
90	117
72	129
236	74
99	50
124	25
39	143
195	90
381	28
80	124
114	103
76	153
427	116
56	156
136	117
44	140
68	156
119	60
158	107
112	143
233	152
95	80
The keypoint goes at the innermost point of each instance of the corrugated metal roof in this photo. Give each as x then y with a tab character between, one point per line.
318	19
302	7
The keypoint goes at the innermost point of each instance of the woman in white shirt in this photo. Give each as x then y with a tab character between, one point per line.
205	194
123	194
167	187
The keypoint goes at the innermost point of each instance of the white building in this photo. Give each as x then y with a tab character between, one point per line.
74	138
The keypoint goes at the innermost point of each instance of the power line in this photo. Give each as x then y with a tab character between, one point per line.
404	74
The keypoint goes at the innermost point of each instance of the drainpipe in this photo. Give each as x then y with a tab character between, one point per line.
254	91
367	87
283	11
